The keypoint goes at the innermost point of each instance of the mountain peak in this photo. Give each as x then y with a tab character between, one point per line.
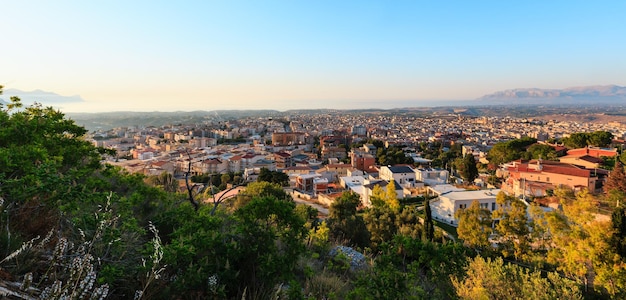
41	96
580	93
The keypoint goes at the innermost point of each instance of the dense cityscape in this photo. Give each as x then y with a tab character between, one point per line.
337	145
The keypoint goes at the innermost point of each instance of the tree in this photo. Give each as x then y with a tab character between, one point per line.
429	227
57	195
564	193
165	180
474	226
193	190
391	197
576	140
247	252
37	140
385	197
540	151
580	246
345	224
539	233
493	279
45	164
260	189
512	229
392	156
225	178
308	214
618	223
410	268
378	196
381	224
467	168
408	223
319	238
600	138
271	239
508	151
273	177
617	179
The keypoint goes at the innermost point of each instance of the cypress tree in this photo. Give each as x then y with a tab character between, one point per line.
429	227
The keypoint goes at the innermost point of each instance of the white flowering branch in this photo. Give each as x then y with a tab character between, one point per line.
156	256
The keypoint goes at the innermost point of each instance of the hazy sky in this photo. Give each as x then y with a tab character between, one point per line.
187	55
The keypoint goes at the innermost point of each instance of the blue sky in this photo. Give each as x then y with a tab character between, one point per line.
188	55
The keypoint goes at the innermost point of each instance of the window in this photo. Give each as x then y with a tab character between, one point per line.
484	205
547	179
493	206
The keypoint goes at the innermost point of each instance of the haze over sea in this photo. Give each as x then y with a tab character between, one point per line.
94	107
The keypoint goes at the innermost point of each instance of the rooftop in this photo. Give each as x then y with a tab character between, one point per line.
471	195
400	169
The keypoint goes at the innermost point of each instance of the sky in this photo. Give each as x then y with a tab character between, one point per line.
205	55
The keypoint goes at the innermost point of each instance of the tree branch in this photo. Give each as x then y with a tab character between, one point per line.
191	197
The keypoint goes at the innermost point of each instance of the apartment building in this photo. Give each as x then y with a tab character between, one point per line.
447	203
537	177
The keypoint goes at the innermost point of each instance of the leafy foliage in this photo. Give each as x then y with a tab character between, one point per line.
467	168
475	226
513	227
509	151
583	139
541	151
408	223
410	268
259	189
252	249
576	140
271	238
345	224
381	224
392	156
493	279
386	197
273	177
165	180
618	222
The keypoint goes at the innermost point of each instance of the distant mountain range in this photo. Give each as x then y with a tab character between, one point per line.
578	95
43	97
585	95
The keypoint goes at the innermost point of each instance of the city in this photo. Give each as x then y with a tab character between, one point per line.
329	149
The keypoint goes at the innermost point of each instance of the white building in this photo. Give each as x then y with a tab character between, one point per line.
402	175
432	176
350	181
448	203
